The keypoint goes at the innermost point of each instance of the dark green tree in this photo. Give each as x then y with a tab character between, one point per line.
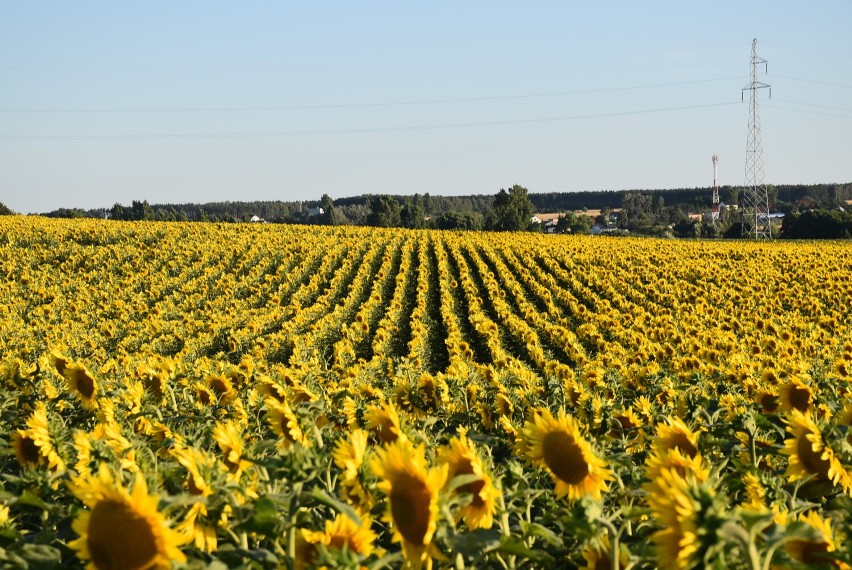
512	210
141	210
4	210
412	216
385	212
574	223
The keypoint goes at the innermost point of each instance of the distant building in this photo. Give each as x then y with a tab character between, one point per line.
315	211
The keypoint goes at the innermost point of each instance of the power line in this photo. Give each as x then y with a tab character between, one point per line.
843	85
813	105
774	106
360	130
379	104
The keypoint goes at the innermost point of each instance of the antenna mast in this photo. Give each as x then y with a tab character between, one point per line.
755	195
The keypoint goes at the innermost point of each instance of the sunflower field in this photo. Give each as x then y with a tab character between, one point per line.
218	396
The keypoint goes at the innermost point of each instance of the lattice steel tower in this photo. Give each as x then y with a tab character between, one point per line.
755	194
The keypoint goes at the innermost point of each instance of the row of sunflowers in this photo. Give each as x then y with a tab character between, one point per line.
215	395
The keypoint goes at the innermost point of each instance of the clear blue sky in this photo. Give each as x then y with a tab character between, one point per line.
199	101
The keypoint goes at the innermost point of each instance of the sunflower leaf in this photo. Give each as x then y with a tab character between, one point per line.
339	506
40	556
264	516
514	545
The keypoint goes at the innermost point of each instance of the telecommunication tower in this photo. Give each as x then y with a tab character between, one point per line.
714	211
755	195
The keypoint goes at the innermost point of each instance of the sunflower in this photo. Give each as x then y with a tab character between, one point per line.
82	384
196	462
58	361
39	433
598	554
813	552
26	450
231	444
796	395
461	457
193	529
675	434
755	494
285	424
809	455
349	456
223	387
412	490
557	445
678	514
343	532
674	459
384	423
121	529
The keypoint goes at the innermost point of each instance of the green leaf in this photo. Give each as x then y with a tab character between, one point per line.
462	480
264	517
515	546
477	542
339	506
537	530
40	556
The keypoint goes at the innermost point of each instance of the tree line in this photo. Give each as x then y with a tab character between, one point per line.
648	212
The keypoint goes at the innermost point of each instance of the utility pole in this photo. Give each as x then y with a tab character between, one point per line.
755	215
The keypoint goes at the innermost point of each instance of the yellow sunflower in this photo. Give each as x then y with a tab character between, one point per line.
349	454
412	490
82	384
26	450
461	458
39	432
598	554
674	459
197	463
809	455
813	552
230	441
677	513
343	532
557	445
384	423
121	529
285	424
674	433
223	387
194	529
796	395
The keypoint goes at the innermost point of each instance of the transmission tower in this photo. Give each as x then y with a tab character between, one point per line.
714	212
755	196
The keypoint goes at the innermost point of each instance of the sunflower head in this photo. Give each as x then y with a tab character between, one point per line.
461	458
812	552
383	422
412	491
230	441
675	434
557	445
809	455
796	395
120	528
598	554
26	450
688	513
285	424
82	384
